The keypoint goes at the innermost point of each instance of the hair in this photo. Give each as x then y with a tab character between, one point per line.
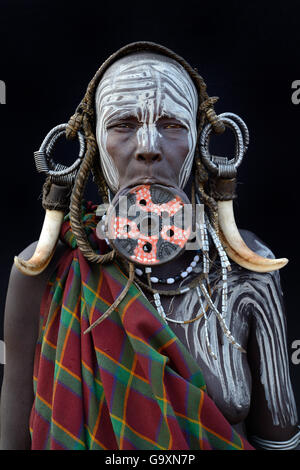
84	120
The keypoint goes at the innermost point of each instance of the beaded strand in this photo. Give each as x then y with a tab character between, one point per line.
225	266
223	325
205	324
171	280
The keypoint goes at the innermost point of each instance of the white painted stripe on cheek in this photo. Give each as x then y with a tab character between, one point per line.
144	89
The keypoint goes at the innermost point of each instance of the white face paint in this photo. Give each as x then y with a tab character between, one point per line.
146	86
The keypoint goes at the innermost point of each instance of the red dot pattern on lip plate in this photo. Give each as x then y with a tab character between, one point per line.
143	193
122	228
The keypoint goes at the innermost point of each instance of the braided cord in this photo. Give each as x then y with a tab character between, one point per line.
116	303
76	201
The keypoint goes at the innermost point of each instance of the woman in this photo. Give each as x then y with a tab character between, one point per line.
191	349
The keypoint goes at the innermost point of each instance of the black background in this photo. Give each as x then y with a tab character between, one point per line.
248	54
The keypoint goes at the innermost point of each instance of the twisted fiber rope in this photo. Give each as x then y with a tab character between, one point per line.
208	201
76	200
84	119
99	178
117	302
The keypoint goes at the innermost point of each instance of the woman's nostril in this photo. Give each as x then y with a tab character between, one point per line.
148	157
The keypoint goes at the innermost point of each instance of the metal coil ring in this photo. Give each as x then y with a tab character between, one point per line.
209	160
204	141
222	166
241	123
45	163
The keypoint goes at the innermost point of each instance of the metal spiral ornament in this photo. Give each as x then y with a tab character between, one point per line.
222	166
44	162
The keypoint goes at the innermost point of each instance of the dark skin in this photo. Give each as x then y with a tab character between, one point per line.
136	164
21	323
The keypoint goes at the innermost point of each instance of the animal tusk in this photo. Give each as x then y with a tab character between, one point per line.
45	247
236	248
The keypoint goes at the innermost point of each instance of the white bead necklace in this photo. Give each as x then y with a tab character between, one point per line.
170	280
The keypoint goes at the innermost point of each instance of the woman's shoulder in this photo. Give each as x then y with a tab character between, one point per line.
28	252
24	293
256	244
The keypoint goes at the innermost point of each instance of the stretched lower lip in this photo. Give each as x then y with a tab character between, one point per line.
150	180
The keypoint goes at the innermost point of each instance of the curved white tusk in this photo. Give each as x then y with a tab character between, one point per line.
236	248
45	247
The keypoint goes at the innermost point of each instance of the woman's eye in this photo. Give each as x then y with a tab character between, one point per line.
122	125
174	125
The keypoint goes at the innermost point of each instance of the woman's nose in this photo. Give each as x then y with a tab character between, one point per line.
148	148
148	156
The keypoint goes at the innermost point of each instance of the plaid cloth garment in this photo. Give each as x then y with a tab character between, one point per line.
129	383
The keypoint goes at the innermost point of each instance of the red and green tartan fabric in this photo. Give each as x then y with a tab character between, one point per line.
129	383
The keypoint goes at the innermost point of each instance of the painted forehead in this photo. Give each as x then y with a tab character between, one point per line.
147	83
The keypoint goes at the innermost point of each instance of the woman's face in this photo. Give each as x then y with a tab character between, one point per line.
146	122
144	158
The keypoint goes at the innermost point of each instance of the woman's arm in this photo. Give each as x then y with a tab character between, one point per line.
21	324
273	414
